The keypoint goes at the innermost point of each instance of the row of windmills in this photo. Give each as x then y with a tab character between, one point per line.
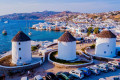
21	47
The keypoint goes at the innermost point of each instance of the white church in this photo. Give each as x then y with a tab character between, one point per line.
67	47
106	44
21	49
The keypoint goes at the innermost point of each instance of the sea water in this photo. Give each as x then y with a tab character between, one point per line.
13	26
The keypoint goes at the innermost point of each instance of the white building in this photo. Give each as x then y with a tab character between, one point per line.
21	49
105	44
67	47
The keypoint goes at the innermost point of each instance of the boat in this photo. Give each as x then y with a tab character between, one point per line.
6	22
4	32
30	33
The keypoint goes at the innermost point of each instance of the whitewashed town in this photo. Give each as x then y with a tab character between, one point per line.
55	45
83	51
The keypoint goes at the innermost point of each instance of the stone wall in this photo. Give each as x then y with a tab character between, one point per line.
67	66
16	69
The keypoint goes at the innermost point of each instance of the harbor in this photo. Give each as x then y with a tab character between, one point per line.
13	27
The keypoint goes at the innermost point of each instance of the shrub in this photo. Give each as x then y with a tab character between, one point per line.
88	33
77	42
83	49
92	46
33	48
96	30
77	53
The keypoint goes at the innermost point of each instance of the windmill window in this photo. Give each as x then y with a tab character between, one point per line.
19	43
19	49
20	58
105	52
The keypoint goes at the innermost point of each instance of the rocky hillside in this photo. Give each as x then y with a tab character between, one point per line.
61	16
29	16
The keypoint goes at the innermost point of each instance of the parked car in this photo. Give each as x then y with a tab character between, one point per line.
71	76
85	70
94	70
102	67
111	67
24	78
116	63
66	76
51	76
102	79
118	60
62	76
38	77
77	73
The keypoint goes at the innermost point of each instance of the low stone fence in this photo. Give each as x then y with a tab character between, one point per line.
101	58
67	66
87	56
14	69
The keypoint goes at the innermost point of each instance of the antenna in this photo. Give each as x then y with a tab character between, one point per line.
29	27
26	26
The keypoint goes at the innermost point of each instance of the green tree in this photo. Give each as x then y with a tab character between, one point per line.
89	31
96	30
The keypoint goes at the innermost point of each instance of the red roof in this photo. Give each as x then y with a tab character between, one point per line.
20	36
106	34
67	37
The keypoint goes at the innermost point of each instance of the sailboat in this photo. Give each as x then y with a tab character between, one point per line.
6	22
30	33
4	32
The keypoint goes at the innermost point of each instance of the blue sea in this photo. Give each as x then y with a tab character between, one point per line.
13	26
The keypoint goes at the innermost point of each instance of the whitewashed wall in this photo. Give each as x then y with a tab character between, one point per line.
67	50
24	53
105	44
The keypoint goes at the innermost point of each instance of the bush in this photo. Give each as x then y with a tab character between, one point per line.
33	48
77	53
96	30
83	49
92	46
88	33
77	42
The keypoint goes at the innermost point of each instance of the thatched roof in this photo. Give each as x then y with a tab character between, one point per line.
106	34
67	37
20	36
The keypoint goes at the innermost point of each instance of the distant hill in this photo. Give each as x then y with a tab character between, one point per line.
65	16
61	16
29	16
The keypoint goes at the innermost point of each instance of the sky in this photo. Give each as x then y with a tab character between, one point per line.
84	6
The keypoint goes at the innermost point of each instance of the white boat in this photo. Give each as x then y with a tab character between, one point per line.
6	22
29	33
